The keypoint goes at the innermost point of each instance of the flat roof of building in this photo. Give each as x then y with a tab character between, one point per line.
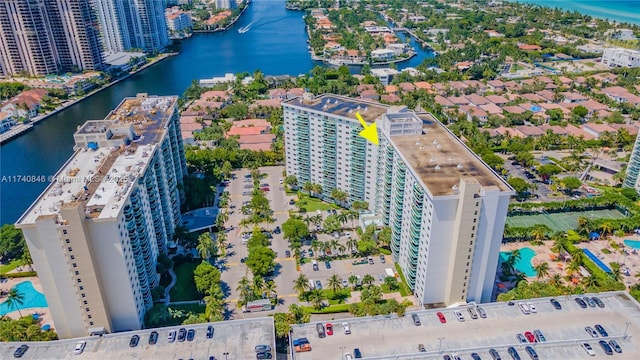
341	106
440	159
101	177
391	337
236	337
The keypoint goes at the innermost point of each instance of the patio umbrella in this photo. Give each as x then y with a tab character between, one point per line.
46	327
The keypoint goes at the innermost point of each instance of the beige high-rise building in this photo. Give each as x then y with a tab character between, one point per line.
95	233
446	208
40	37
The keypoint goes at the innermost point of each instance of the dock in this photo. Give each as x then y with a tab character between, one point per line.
15	131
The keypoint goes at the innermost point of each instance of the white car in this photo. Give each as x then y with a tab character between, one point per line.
525	308
532	308
346	328
79	347
459	316
588	349
348	356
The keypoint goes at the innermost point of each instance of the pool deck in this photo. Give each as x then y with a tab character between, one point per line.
44	314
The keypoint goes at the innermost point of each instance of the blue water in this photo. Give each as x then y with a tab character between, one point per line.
524	264
595	259
618	10
632	243
32	299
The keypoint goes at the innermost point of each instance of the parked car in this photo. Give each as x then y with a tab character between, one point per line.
539	336
514	353
495	354
79	347
134	341
524	308
472	313
475	356
555	304
277	230
588	349
329	329
320	330
421	348
591	332
153	338
581	303
532	307
446	357
601	330
345	283
357	353
481	312
382	259
318	284
370	259
598	302
530	337
532	353
23	349
348	356
292	202
346	328
590	301
459	316
521	338
182	334
605	347
264	355
191	334
616	347
172	336
287	253
262	348
327	264
416	319
209	332
441	317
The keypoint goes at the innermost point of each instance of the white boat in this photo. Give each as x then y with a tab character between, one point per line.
244	29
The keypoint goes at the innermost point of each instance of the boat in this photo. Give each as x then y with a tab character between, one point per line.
244	29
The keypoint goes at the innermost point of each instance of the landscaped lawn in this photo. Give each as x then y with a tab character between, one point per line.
10	266
309	204
185	287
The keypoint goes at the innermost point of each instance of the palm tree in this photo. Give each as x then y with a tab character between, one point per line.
301	284
368	280
258	285
316	189
353	280
308	187
574	266
616	273
334	283
205	246
221	238
352	215
542	270
222	218
556	279
606	228
315	246
15	298
270	287
243	288
514	257
589	281
339	196
342	217
317	220
316	298
335	245
214	309
506	268
352	243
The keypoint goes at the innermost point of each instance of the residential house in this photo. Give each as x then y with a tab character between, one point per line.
496	85
573	97
391	98
6	121
294	93
597	129
472	111
406	87
25	105
497	99
369	94
477	100
444	102
279	93
529	131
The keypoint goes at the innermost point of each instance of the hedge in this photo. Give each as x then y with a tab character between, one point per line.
331	309
21	274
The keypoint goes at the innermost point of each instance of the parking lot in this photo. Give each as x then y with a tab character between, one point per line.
345	268
398	338
234	269
236	338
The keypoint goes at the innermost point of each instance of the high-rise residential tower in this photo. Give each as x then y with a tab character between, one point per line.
445	207
95	233
633	168
132	24
40	37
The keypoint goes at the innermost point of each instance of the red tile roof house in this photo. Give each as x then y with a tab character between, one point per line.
215	95
278	94
369	94
565	80
631	129
472	111
512	85
406	87
576	132
533	97
547	95
26	104
509	131
439	88
529	47
496	85
390	98
597	129
566	112
477	100
458	100
361	88
491	132
423	85
574	97
391	89
477	85
458	85
295	92
497	99
492	109
444	102
559	130
260	142
514	109
249	127
528	131
275	103
594	107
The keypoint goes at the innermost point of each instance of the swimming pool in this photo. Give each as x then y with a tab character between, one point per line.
595	259
524	264
635	244
32	299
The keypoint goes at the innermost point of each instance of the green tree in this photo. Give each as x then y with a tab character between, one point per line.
294	229
316	298
298	314
334	283
205	246
392	283
11	242
493	160
15	299
282	325
571	183
368	280
205	276
261	261
519	185
580	111
542	270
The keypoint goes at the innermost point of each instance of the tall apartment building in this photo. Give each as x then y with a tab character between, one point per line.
633	168
226	4
40	37
445	207
132	24
95	233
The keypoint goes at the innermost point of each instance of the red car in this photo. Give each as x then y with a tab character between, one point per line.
530	336
264	188
329	329
441	317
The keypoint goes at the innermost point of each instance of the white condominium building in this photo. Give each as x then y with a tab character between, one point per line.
445	207
633	168
95	233
621	57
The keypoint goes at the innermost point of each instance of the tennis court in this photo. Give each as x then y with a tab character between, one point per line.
562	221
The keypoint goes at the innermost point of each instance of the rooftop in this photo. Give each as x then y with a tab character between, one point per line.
440	159
391	337
341	106
237	337
101	176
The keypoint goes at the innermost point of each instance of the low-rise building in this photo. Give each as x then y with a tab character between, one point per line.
619	57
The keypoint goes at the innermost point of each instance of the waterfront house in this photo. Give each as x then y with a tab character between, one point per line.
382	55
6	121
25	105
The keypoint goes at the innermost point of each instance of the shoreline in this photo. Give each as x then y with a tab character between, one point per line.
10	135
226	27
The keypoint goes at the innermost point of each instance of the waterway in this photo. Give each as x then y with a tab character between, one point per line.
275	44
